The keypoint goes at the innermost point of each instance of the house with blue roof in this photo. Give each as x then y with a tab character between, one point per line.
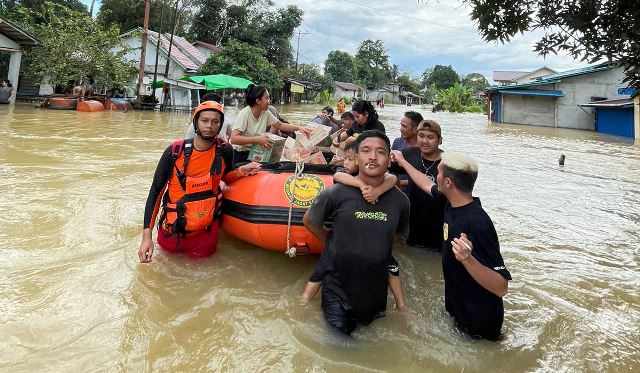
591	98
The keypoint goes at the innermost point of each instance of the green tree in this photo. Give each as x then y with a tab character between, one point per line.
408	83
275	34
424	78
128	15
73	46
476	82
459	99
443	77
251	22
372	63
430	93
9	6
341	66
592	31
241	59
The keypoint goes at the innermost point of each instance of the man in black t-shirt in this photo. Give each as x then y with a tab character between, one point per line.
475	277
420	163
354	287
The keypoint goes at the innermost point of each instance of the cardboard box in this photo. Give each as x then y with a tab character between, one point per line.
316	158
319	136
295	154
259	154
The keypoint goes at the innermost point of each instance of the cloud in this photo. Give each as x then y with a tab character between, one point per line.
418	35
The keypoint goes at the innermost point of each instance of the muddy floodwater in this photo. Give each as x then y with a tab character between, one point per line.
73	297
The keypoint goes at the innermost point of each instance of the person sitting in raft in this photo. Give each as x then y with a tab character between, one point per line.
326	119
187	185
252	122
366	119
370	194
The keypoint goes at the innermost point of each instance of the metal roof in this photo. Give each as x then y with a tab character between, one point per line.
524	85
176	54
180	83
508	76
347	86
211	47
16	34
580	71
525	92
189	50
616	103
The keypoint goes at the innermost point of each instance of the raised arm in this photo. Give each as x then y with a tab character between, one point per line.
421	180
291	128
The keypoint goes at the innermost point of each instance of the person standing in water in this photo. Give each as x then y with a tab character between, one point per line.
186	184
354	284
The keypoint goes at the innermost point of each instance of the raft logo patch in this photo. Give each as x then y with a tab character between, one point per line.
306	190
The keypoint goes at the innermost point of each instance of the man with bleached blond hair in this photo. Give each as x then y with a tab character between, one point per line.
475	277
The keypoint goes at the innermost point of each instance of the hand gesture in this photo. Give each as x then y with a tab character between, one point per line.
305	131
397	157
462	248
251	168
264	141
145	252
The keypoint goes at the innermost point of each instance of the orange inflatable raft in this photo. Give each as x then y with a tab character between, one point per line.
255	209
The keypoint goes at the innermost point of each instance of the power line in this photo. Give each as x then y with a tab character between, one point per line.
300	33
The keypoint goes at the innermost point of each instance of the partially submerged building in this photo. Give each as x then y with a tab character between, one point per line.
182	58
13	40
567	100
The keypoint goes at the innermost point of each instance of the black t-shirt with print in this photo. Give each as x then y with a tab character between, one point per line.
357	128
475	309
425	223
360	241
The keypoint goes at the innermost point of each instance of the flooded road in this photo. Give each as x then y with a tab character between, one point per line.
73	296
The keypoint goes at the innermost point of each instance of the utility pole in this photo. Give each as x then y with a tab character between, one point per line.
166	69
155	69
298	48
143	50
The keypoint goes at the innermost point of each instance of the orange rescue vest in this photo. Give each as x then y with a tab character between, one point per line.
196	203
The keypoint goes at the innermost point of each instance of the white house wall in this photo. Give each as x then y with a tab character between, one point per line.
205	51
529	77
7	43
579	90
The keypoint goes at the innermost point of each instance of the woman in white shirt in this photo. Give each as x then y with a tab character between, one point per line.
252	122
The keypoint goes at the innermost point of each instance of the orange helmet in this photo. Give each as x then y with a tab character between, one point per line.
207	105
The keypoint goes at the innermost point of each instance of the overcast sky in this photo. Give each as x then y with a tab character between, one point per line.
417	35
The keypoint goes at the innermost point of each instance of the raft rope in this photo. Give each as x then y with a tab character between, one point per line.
291	250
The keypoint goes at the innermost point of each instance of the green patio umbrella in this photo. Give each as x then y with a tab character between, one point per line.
219	81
